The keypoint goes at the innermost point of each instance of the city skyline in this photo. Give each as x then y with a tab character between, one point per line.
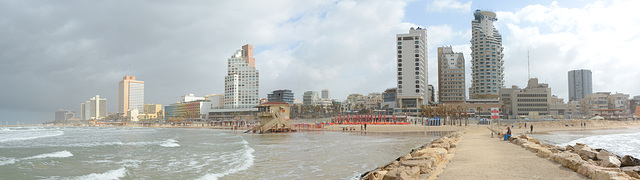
68	51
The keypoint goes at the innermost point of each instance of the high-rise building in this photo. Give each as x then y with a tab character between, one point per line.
412	69
487	66
241	84
284	95
310	98
326	94
579	84
131	95
451	75
94	108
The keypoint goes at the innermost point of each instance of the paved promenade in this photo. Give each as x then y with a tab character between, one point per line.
481	157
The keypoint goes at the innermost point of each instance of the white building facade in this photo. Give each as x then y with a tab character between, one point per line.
241	83
412	68
487	65
131	95
94	108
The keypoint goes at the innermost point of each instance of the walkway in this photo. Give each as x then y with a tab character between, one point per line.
479	156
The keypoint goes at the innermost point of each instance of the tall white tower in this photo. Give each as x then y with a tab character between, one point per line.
412	68
131	95
487	66
241	84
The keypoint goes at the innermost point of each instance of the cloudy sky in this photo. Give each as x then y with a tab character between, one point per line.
57	54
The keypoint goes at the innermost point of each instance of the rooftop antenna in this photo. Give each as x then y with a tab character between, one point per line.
528	67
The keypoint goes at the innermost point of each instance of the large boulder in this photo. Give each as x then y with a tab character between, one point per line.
633	171
629	161
569	160
602	154
569	148
423	164
556	149
402	173
534	140
375	175
437	153
524	136
609	175
611	161
587	153
443	145
544	152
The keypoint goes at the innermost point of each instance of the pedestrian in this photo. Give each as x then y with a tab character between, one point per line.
360	127
531	128
525	125
365	127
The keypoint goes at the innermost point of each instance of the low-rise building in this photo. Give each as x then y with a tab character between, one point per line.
284	95
531	102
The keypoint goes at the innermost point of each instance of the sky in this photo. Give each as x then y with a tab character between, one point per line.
57	54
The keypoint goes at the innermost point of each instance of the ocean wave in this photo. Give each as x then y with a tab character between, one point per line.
22	135
247	161
59	154
113	174
5	161
620	144
170	143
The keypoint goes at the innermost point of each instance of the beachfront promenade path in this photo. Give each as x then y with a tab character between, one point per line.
481	157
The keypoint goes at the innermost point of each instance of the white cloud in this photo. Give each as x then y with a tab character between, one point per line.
443	5
599	36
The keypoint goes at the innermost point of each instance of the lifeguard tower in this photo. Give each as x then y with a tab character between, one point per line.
274	117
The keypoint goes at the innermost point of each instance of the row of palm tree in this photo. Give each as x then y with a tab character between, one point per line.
449	114
315	111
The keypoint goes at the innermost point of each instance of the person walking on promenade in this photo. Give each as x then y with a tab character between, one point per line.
531	128
365	127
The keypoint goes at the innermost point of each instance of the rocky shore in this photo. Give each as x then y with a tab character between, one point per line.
592	163
421	163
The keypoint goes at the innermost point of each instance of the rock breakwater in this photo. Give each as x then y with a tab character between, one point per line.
587	161
424	162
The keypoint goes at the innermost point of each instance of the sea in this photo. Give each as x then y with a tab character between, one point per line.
38	152
620	141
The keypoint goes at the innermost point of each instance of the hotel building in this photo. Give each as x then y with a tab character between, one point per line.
94	108
412	69
241	83
487	65
131	95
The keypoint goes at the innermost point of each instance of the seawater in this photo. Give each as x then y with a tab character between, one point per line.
623	141
175	153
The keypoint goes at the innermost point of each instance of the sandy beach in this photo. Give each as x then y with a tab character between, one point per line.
573	125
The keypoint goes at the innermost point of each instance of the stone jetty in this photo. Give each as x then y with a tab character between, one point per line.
592	163
421	163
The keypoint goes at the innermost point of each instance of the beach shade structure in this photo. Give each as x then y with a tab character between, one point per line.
274	117
597	118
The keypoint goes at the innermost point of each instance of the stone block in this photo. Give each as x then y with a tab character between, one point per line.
611	161
628	160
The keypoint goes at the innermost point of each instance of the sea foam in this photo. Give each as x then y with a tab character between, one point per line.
247	161
113	174
170	143
59	154
21	135
620	144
